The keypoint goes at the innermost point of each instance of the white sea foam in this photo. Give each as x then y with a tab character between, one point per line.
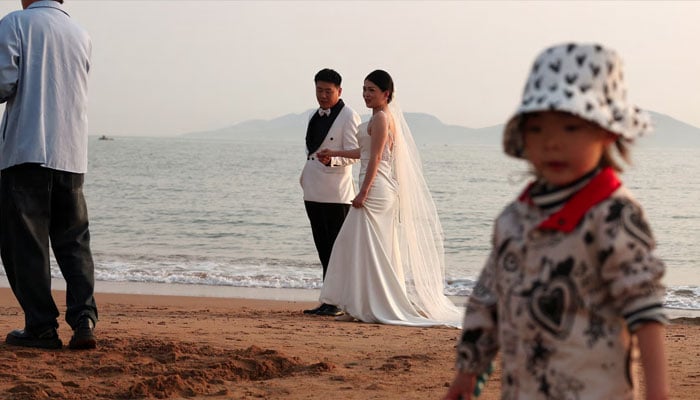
276	274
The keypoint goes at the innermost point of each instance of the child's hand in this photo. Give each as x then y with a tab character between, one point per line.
461	388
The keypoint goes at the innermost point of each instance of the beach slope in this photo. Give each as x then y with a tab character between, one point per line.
168	347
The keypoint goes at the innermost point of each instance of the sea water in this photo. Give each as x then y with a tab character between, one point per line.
219	213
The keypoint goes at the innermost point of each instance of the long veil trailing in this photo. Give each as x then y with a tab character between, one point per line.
420	233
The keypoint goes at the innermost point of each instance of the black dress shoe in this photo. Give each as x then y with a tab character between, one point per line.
47	339
330	310
314	311
83	335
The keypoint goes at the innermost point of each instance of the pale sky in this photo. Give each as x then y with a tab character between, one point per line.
172	67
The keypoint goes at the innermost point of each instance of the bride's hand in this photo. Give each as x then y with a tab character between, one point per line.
324	156
359	200
324	153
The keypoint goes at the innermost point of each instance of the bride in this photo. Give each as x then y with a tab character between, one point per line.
387	264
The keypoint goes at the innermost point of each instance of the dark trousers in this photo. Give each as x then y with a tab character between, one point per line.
37	205
326	220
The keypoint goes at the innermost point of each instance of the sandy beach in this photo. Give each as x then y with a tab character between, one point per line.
170	347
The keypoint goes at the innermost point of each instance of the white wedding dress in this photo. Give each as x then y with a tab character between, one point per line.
374	273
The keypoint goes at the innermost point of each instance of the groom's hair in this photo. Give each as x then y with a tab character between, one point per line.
328	75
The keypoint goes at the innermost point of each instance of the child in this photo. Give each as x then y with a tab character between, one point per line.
571	276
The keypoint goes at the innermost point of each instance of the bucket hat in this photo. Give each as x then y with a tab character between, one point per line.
585	80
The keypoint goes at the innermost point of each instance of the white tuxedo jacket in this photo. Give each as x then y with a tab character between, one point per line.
334	183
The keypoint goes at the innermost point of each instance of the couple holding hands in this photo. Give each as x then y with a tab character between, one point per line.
382	247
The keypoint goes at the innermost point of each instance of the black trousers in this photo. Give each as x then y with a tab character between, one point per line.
326	220
37	205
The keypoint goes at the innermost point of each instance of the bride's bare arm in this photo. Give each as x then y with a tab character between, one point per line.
379	129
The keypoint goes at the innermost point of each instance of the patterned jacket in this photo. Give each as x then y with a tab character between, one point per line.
561	293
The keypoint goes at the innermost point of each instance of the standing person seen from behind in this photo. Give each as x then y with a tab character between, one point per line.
388	264
44	65
571	280
327	182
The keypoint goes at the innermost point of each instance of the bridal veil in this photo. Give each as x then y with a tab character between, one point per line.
421	238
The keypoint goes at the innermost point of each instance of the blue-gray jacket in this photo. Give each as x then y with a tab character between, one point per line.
44	64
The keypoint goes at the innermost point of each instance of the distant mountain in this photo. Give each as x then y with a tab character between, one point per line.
670	132
292	127
426	128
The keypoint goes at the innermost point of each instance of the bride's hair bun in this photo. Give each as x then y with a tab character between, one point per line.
383	80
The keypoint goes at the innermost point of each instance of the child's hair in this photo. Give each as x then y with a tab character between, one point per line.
615	160
584	80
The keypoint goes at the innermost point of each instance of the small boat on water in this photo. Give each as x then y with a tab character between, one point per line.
105	137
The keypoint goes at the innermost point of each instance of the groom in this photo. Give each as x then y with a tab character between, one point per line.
328	183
